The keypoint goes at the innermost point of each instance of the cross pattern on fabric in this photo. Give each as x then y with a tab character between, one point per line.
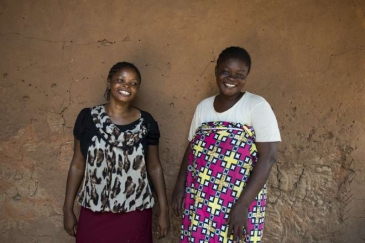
221	159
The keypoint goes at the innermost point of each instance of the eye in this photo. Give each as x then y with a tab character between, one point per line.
134	84
226	72
241	76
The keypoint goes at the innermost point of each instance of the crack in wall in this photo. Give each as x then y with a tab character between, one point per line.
360	48
103	42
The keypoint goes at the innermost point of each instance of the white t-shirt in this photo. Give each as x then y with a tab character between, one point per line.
251	109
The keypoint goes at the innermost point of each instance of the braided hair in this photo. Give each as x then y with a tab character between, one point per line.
237	53
117	67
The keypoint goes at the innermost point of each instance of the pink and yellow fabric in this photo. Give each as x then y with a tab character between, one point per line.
221	159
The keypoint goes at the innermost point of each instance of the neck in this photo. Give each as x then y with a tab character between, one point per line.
114	108
225	98
223	102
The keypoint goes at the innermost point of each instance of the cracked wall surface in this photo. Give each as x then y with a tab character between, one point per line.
308	62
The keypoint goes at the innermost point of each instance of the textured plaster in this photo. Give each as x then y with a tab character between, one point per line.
308	62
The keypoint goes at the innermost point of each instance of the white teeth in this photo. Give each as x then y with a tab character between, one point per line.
230	85
124	92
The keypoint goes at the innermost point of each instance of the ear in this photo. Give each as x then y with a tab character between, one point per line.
108	83
216	71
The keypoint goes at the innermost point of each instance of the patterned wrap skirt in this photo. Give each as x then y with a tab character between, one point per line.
221	159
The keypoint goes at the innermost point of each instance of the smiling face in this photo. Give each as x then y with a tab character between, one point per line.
231	76
124	85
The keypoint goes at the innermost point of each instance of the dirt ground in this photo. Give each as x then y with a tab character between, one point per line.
308	62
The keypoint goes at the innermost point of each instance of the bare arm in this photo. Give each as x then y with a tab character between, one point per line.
258	178
74	179
179	191
155	172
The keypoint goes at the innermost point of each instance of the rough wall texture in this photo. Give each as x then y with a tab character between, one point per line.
308	61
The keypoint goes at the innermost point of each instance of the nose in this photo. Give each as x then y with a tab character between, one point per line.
232	76
237	77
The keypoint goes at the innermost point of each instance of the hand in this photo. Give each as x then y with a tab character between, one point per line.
163	225
70	223
178	199
237	221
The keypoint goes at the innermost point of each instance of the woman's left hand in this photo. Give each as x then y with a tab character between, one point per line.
163	224
237	221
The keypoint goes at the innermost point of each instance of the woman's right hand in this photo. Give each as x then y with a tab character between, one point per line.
178	198
70	223
74	179
178	195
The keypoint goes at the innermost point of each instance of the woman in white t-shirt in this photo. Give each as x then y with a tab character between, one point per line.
233	142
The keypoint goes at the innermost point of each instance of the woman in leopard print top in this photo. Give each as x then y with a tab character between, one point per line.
116	159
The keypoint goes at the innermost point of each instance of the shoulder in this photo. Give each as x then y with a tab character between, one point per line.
253	100
207	102
146	115
85	112
82	122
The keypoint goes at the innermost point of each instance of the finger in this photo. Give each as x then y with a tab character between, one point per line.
176	207
228	220
233	232
239	233
173	205
229	230
75	229
180	206
160	231
245	231
70	232
164	233
182	203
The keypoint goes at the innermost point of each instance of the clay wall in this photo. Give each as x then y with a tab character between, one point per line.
308	62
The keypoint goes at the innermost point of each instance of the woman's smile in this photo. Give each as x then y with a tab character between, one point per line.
124	92
229	85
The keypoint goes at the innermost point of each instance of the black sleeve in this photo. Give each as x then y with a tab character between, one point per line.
153	135
80	124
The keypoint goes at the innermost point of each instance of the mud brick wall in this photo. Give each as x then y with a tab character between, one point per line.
308	62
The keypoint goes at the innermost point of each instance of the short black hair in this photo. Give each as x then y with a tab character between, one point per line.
235	52
117	67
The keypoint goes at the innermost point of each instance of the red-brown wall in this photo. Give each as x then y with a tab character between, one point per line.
308	62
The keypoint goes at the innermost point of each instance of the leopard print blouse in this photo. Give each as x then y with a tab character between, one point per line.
115	177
